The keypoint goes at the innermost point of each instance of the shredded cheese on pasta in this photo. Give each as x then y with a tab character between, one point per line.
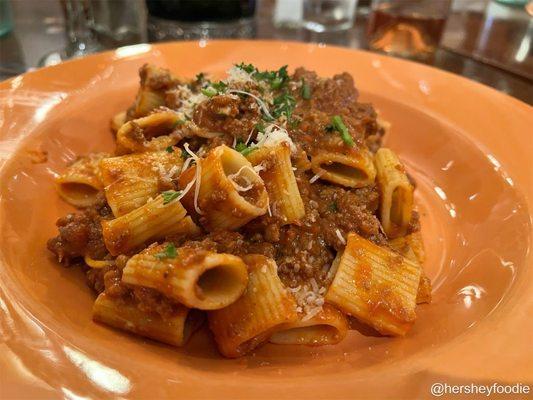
237	75
197	177
189	100
274	135
309	298
259	101
315	177
339	235
236	174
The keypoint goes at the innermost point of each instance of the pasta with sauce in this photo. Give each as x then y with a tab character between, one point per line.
262	202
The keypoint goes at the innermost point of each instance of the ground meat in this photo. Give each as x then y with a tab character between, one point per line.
80	234
231	115
348	210
302	253
150	301
330	97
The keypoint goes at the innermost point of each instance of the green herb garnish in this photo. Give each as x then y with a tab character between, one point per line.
169	149
333	207
260	127
169	252
214	89
284	105
305	91
338	124
276	79
243	149
219	86
209	91
169	195
247	67
294	123
200	77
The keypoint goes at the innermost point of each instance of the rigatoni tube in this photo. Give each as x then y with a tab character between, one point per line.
125	315
130	180
251	320
195	277
355	169
150	133
275	168
154	220
231	193
328	326
396	200
412	247
375	285
80	184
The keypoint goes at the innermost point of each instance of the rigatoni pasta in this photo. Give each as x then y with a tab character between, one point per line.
154	220
81	182
151	94
266	305
375	285
130	180
194	277
412	248
174	330
151	133
328	326
396	201
262	200
275	168
352	170
229	188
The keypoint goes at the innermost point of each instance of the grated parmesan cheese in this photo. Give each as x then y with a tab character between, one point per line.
309	298
189	100
274	135
316	177
236	174
339	235
237	75
249	137
197	178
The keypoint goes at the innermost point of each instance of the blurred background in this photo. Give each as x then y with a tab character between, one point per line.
485	40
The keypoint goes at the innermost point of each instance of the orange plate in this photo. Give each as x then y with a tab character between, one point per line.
468	146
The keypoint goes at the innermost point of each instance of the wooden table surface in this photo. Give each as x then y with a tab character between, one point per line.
484	41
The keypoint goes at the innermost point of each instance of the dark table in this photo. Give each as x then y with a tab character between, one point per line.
484	41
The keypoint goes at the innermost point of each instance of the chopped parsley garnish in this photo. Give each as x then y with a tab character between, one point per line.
184	154
200	77
169	195
242	148
294	123
247	67
209	91
333	207
305	91
338	124
284	105
169	252
276	79
260	127
214	88
169	149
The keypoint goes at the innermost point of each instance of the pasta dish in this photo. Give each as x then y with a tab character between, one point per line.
262	205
